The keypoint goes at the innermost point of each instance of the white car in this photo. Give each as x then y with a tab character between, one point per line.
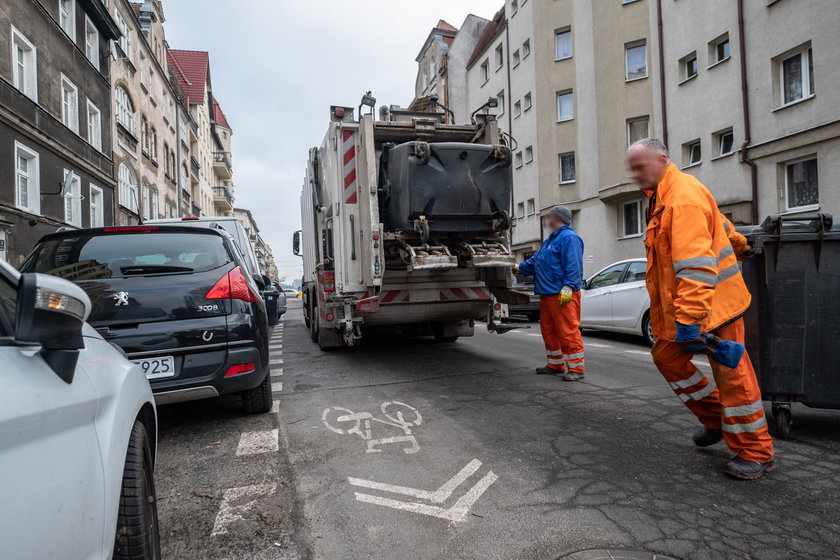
77	431
616	299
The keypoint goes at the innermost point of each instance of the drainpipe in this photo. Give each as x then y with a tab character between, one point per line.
664	106
745	100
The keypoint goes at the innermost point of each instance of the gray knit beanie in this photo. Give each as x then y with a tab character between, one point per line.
562	213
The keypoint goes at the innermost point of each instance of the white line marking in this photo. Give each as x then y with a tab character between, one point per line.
277	387
278	362
278	373
438	496
273	353
702	364
275	408
596	345
252	443
640	352
456	513
228	513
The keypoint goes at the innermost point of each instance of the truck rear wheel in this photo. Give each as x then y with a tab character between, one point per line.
437	331
313	320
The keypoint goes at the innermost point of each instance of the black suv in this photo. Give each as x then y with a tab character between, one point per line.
176	300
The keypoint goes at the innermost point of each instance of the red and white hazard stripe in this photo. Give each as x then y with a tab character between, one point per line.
349	151
449	294
395	296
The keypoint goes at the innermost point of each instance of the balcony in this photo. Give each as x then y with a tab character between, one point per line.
222	166
196	210
195	169
193	131
223	199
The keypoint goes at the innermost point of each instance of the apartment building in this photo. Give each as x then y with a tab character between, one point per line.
596	95
55	120
751	107
148	156
441	67
211	170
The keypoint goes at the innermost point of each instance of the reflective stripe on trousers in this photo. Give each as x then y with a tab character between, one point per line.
559	325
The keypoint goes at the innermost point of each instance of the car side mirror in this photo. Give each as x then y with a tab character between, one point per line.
296	243
258	278
52	312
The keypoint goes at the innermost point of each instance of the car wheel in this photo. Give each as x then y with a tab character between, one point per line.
259	399
138	536
647	330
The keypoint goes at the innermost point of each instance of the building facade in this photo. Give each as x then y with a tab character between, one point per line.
147	152
210	161
55	120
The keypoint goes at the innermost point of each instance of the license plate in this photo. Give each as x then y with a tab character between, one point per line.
156	368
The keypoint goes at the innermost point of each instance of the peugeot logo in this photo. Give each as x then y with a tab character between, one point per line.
120	299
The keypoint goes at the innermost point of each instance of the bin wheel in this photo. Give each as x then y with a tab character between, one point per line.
425	234
504	221
783	421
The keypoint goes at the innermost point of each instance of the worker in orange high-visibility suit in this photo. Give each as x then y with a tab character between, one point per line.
558	277
695	286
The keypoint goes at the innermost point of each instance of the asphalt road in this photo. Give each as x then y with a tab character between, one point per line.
408	448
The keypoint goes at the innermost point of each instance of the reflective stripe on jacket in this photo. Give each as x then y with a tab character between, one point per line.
693	274
558	263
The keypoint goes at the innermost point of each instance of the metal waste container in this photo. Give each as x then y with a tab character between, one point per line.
271	310
793	323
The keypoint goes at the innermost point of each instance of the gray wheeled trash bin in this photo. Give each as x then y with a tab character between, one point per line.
271	310
793	324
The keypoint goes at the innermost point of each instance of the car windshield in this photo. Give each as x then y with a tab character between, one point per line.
99	256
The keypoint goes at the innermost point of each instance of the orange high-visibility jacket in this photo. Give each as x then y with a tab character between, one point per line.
693	274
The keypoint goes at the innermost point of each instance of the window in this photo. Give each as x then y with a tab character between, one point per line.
532	207
24	73
485	71
635	56
27	179
125	37
125	109
562	44
637	129
500	57
719	49
628	1
565	106
567	168
691	153
516	58
607	277
97	208
147	202
91	43
152	84
529	154
67	17
636	272
688	67
94	126
526	101
500	97
155	208
144	134
797	74
725	142
69	104
526	49
517	109
514	6
153	144
631	219
128	188
801	185
73	201
432	70
424	81
518	159
520	210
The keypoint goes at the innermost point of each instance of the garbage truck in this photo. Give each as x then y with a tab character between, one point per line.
405	222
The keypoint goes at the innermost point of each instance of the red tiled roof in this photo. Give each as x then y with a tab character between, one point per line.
491	30
448	40
192	69
136	7
218	115
443	24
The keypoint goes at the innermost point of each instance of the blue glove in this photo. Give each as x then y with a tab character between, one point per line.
688	338
724	352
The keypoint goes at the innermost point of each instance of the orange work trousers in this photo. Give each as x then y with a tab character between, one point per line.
730	402
560	327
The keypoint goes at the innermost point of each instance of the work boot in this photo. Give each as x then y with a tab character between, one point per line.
545	370
704	437
747	470
572	376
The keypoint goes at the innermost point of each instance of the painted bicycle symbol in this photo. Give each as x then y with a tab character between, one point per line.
396	414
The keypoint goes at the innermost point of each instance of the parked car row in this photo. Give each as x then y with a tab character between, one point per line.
614	299
98	327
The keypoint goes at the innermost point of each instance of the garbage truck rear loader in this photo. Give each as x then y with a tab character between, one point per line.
405	225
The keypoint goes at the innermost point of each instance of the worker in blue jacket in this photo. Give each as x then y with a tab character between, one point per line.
558	278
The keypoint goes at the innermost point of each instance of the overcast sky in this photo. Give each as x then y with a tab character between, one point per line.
278	65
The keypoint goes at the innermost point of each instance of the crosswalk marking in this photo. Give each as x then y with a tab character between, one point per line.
640	352
596	345
277	387
253	443
230	512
